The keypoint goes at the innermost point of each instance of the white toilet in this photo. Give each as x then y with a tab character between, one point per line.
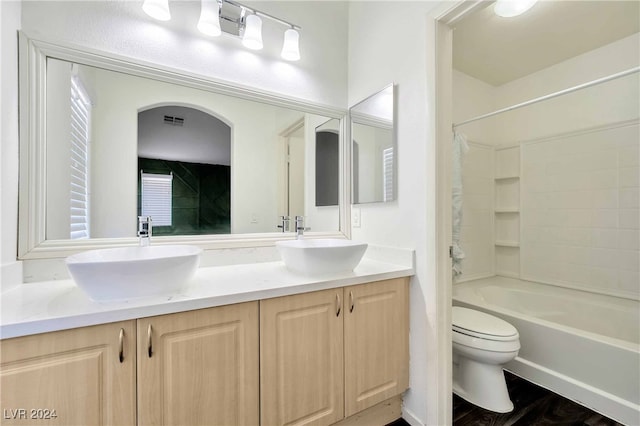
482	344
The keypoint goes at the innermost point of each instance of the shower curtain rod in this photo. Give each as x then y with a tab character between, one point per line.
551	95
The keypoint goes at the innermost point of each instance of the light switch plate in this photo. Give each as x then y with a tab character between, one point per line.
355	217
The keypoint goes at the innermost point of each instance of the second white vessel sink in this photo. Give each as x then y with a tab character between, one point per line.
132	272
321	256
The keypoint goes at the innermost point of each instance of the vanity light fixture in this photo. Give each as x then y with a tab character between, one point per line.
209	22
290	48
157	9
252	37
511	8
236	19
246	22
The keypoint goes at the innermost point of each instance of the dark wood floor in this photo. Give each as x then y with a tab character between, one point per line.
399	422
533	405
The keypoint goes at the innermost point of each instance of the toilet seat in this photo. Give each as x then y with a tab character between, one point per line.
482	326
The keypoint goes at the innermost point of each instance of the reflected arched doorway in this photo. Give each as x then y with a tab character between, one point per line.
184	171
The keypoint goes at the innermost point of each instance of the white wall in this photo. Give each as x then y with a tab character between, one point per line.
606	103
473	97
11	271
393	42
610	102
123	28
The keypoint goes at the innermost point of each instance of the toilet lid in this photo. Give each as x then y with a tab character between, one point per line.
481	325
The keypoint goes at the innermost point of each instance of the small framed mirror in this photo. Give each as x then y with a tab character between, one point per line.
373	145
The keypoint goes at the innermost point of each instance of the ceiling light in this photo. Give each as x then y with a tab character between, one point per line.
157	9
510	8
209	22
253	32
290	48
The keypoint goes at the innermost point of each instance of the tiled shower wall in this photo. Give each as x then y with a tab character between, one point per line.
477	223
580	210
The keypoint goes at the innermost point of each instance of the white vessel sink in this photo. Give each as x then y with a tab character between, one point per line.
321	256
133	272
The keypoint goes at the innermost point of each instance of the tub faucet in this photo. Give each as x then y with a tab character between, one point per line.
144	230
300	227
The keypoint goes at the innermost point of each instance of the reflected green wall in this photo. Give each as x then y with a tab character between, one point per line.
201	202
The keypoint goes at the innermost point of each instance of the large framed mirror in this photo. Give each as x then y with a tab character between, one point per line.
105	139
374	148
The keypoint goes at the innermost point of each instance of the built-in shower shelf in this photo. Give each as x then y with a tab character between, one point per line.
507	212
503	243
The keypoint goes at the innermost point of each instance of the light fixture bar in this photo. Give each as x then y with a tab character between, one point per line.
263	14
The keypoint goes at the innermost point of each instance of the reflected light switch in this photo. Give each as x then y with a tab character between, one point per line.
355	217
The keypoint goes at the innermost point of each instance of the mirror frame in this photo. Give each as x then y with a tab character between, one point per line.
33	54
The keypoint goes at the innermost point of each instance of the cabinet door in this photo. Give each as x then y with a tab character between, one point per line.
301	359
199	367
376	336
84	376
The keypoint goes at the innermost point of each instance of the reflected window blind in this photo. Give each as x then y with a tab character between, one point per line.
156	198
387	174
80	135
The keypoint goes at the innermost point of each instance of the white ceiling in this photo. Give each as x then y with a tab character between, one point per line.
498	50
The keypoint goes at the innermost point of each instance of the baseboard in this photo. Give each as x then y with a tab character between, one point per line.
410	417
10	276
379	415
609	405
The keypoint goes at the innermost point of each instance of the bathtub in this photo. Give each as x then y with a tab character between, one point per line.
583	346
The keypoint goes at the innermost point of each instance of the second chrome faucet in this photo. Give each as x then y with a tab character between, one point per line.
300	227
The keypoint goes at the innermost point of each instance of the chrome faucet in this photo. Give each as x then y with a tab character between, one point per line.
144	230
300	227
284	223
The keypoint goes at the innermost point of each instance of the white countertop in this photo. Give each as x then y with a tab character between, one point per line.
57	305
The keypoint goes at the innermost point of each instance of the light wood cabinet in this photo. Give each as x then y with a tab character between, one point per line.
82	377
193	368
199	367
307	359
301	359
330	354
376	343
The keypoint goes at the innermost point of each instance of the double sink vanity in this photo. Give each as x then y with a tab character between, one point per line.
241	344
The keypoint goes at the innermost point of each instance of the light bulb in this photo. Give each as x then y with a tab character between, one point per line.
157	9
290	48
511	8
209	22
253	32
